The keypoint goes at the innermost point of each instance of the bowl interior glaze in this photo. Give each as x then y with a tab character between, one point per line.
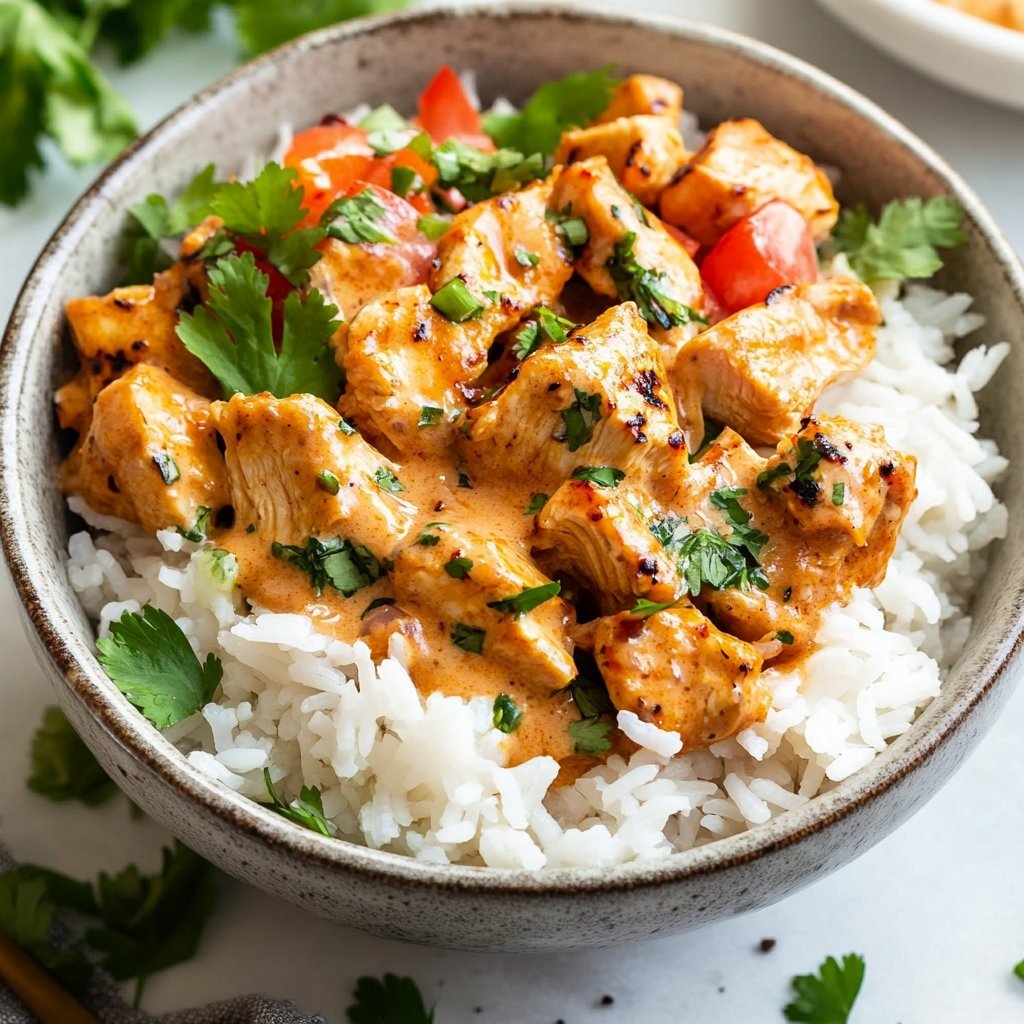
512	51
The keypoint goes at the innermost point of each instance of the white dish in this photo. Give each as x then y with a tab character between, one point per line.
958	49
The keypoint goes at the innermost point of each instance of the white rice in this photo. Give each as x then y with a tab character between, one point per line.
428	777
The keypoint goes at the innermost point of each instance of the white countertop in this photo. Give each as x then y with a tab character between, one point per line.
937	908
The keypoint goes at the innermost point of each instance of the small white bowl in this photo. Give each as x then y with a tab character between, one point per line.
962	51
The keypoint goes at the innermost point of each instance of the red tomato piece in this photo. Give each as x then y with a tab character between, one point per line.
446	112
771	247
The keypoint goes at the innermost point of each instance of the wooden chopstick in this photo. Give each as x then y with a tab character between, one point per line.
51	1003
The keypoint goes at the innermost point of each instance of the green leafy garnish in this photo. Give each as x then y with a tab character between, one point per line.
548	325
525	258
1019	970
387	481
743	535
427	539
197	531
455	302
602	476
524	602
590	736
904	241
344	427
580	418
328	481
537	502
232	335
784	637
458	568
644	609
150	660
468	638
433	225
355	219
506	715
827	997
63	767
838	493
337	563
590	697
479	175
307	811
389	1000
556	106
430	416
167	467
644	286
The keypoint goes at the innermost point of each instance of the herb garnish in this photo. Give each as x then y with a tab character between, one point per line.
580	418
344	427
355	219
63	767
429	540
643	286
328	481
479	175
838	493
150	660
589	736
468	638
784	637
537	502
506	715
167	468
433	225
455	302
590	697
525	258
430	416
387	481
197	532
827	997
602	476
458	568
308	810
644	608
548	325
391	1000
337	563
525	602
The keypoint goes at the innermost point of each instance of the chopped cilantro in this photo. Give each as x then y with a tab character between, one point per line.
644	286
838	493
479	175
602	476
465	482
404	180
526	601
458	568
590	697
167	468
644	609
590	736
429	540
769	476
904	241
525	258
580	418
573	229
307	811
430	416
390	1000
356	219
1019	970
506	715
784	637
527	338
338	563
827	997
328	481
197	531
150	660
63	767
232	335
344	427
537	502
468	638
387	481
547	325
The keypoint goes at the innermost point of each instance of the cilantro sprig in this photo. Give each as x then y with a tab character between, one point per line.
903	242
357	218
150	660
307	811
63	767
828	996
232	334
388	1000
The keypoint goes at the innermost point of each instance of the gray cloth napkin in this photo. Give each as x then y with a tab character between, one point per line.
104	999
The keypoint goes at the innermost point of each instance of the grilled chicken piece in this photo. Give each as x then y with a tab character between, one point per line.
589	190
114	332
401	358
676	670
843	483
762	369
535	646
481	248
351	275
644	94
738	169
295	475
150	454
598	399
598	537
644	151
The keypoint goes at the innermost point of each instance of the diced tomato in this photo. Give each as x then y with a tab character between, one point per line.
771	247
446	112
691	245
327	157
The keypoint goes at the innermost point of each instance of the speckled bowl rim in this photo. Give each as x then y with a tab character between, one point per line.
74	659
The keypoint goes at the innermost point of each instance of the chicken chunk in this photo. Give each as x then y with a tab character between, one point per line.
294	474
150	454
739	168
598	399
598	537
644	151
460	579
762	369
114	332
404	366
630	255
644	94
677	671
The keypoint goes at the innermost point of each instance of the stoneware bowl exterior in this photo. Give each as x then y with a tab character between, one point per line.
512	51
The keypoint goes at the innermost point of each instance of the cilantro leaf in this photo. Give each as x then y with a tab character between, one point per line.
602	476
262	26
507	715
479	175
590	736
338	563
827	997
150	660
644	608
568	102
63	767
458	568
1019	970
49	87
468	638
354	219
537	502
388	1000
590	697
580	418
904	240
308	810
152	922
523	603
232	334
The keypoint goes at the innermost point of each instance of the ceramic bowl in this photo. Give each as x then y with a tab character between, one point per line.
960	50
513	49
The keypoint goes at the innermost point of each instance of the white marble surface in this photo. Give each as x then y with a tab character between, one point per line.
937	908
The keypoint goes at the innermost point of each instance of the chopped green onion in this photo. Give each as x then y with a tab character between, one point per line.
575	232
455	302
403	179
430	416
468	638
328	481
506	715
525	258
384	118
